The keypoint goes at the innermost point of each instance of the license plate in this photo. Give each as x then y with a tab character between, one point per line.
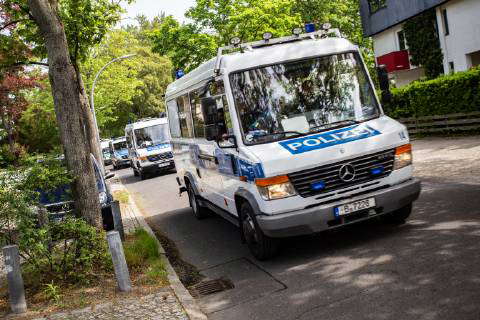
355	206
161	165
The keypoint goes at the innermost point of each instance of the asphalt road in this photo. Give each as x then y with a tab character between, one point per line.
426	269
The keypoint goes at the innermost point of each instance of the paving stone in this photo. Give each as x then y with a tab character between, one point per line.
160	306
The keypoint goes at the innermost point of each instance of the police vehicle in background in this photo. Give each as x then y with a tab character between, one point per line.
107	158
286	137
148	142
119	153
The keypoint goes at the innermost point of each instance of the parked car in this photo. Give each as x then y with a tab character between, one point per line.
59	202
119	153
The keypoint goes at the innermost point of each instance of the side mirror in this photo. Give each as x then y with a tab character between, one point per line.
109	175
227	142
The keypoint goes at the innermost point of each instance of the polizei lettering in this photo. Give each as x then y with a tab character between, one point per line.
328	139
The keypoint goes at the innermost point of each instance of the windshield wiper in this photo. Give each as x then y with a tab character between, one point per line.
295	134
333	125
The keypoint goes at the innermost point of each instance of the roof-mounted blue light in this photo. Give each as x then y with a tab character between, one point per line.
309	27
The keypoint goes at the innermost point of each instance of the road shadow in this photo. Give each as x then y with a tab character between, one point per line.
425	269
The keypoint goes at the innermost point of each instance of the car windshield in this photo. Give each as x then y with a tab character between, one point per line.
120	145
151	136
301	97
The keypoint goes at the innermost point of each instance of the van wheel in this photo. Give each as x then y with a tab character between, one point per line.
135	172
400	216
198	211
143	175
261	246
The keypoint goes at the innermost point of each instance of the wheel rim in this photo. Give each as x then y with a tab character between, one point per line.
250	232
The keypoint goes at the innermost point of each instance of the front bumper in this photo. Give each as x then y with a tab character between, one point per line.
156	167
322	217
121	162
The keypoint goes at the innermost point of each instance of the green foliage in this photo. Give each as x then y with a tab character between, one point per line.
69	251
38	125
128	89
423	43
52	292
185	45
142	249
456	93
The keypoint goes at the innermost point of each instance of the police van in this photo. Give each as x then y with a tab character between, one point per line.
119	153
286	137
149	149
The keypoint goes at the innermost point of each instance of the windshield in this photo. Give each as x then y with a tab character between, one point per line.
120	145
301	97
151	136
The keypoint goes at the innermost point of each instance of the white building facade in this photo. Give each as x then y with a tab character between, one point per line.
458	26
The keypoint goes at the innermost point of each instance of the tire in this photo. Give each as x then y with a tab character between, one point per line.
143	175
198	211
261	246
399	216
135	172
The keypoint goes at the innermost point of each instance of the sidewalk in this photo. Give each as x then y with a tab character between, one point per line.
170	303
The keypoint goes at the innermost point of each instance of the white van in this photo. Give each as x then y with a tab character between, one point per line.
105	145
119	153
286	137
149	148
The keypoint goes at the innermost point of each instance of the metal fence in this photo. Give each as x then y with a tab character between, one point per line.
448	122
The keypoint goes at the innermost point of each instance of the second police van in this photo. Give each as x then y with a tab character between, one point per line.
149	149
286	137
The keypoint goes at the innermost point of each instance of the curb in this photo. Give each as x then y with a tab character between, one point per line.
186	300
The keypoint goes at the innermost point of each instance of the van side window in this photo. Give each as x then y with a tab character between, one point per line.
173	119
217	91
197	115
129	139
185	116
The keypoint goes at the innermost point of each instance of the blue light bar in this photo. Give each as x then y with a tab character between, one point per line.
180	73
377	170
309	27
319	185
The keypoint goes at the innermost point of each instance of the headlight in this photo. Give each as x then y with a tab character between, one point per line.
102	196
275	188
143	159
403	156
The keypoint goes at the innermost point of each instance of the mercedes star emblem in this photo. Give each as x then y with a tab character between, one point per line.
347	173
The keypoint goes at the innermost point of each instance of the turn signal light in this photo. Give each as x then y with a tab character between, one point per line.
271	181
403	156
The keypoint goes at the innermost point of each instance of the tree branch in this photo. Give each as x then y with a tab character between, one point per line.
8	24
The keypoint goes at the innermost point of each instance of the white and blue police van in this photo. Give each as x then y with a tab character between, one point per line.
286	137
149	149
119	153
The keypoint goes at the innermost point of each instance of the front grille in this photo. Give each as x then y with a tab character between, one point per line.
162	156
329	174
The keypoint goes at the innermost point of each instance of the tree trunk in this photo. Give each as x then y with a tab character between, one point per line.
90	128
69	107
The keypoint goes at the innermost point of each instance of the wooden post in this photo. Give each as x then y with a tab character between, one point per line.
119	262
117	219
16	289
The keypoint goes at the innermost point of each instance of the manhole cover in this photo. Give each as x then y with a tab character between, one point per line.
205	288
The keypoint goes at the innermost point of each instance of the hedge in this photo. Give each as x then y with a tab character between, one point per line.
455	93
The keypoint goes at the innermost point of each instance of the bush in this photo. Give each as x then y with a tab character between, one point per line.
68	251
456	93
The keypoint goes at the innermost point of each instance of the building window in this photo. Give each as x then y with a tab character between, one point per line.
376	5
402	43
445	22
452	67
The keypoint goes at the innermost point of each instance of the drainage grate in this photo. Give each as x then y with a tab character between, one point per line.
205	288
